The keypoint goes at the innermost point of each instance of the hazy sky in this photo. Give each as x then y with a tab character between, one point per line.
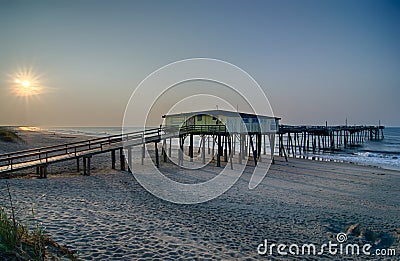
317	61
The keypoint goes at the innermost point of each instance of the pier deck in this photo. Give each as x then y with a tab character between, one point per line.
299	140
41	157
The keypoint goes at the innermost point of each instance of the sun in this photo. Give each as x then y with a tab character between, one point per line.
26	83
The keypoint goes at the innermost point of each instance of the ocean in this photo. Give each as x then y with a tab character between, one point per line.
90	131
384	153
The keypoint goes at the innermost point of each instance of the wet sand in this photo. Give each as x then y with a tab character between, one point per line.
110	216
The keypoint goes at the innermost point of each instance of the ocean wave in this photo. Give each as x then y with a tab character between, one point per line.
377	155
366	158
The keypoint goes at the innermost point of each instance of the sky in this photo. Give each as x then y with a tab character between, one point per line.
316	61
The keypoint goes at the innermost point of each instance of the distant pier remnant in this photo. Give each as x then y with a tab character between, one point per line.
298	140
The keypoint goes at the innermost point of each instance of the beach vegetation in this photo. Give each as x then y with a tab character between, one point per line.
9	135
23	242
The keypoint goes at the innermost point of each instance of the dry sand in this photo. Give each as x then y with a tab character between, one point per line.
110	216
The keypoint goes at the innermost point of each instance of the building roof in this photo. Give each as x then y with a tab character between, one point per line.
220	112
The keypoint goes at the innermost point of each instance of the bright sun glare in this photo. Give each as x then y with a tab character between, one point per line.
26	83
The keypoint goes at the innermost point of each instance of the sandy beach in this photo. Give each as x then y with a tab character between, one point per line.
146	130
109	216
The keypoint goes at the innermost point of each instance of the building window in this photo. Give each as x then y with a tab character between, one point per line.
199	117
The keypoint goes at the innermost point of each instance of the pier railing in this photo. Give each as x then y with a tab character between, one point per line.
44	155
50	154
202	129
299	140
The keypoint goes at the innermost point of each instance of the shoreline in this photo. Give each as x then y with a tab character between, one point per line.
323	159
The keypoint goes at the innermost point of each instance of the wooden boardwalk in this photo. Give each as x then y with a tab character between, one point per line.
42	157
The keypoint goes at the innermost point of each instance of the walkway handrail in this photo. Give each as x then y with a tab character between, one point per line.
80	148
187	129
66	146
322	128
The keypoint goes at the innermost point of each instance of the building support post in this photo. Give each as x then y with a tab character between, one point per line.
112	159
164	150
259	141
230	150
272	144
240	148
219	150
253	149
213	147
232	140
143	152
226	148
122	159
283	150
130	159
208	143
203	149
156	151
191	147
265	144
86	165
42	169
180	151
170	147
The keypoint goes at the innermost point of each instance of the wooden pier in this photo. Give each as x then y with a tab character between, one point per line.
121	146
41	158
299	140
292	141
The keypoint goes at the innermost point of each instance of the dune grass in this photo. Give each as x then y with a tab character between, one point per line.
8	135
20	242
